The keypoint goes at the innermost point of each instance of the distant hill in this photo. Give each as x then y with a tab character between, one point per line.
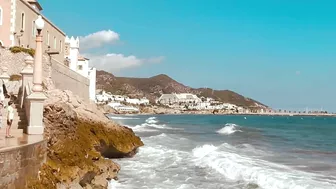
153	87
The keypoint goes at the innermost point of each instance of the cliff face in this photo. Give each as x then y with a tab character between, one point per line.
79	138
153	87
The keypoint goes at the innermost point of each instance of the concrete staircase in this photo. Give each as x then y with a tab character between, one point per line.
19	123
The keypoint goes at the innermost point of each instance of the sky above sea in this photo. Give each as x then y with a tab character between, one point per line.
281	53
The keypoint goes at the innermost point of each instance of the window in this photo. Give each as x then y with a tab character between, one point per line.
60	44
0	16
80	67
23	21
55	43
34	29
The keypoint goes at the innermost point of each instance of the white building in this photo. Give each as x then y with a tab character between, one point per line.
169	99
122	108
108	97
136	101
80	64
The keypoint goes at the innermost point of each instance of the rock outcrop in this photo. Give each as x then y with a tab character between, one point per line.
80	138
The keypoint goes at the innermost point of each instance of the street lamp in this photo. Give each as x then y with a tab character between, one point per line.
37	77
37	97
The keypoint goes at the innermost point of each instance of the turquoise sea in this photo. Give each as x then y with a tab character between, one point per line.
214	152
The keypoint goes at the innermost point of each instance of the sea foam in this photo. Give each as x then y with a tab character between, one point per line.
236	167
228	129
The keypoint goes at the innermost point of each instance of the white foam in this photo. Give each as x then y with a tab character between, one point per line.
142	128
228	129
151	120
121	118
186	186
151	124
113	184
265	174
159	136
204	150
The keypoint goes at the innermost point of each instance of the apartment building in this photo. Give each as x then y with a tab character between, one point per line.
17	27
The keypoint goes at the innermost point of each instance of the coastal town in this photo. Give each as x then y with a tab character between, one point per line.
187	103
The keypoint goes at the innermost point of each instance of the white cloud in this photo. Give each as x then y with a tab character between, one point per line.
297	72
98	39
116	62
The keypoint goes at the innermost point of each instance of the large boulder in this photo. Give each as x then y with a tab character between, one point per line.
80	139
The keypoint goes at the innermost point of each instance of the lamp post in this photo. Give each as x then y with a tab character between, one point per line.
37	78
37	97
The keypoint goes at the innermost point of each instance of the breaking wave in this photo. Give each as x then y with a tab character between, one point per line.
228	129
233	166
151	125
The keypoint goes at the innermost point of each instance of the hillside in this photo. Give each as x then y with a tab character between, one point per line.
153	87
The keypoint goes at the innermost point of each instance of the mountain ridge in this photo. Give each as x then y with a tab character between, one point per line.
153	87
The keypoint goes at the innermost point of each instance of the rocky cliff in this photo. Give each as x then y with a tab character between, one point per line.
80	137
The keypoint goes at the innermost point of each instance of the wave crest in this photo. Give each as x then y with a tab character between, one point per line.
235	167
229	129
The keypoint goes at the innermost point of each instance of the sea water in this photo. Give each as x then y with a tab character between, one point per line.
214	151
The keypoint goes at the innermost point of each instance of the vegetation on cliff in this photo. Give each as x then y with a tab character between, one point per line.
153	87
15	77
17	49
78	146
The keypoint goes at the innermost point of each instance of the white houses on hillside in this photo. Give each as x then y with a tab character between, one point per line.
192	102
108	97
80	64
169	99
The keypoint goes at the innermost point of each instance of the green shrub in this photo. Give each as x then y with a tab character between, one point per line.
17	49
15	77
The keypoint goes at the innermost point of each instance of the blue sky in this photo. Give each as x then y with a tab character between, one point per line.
282	53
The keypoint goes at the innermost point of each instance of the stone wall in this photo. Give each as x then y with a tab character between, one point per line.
19	164
55	74
67	79
14	62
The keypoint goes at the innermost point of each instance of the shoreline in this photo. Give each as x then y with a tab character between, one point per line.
167	111
227	114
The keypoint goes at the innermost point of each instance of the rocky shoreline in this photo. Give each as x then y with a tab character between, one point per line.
81	144
155	110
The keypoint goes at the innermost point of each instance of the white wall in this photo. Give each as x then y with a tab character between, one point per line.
85	67
92	87
73	52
